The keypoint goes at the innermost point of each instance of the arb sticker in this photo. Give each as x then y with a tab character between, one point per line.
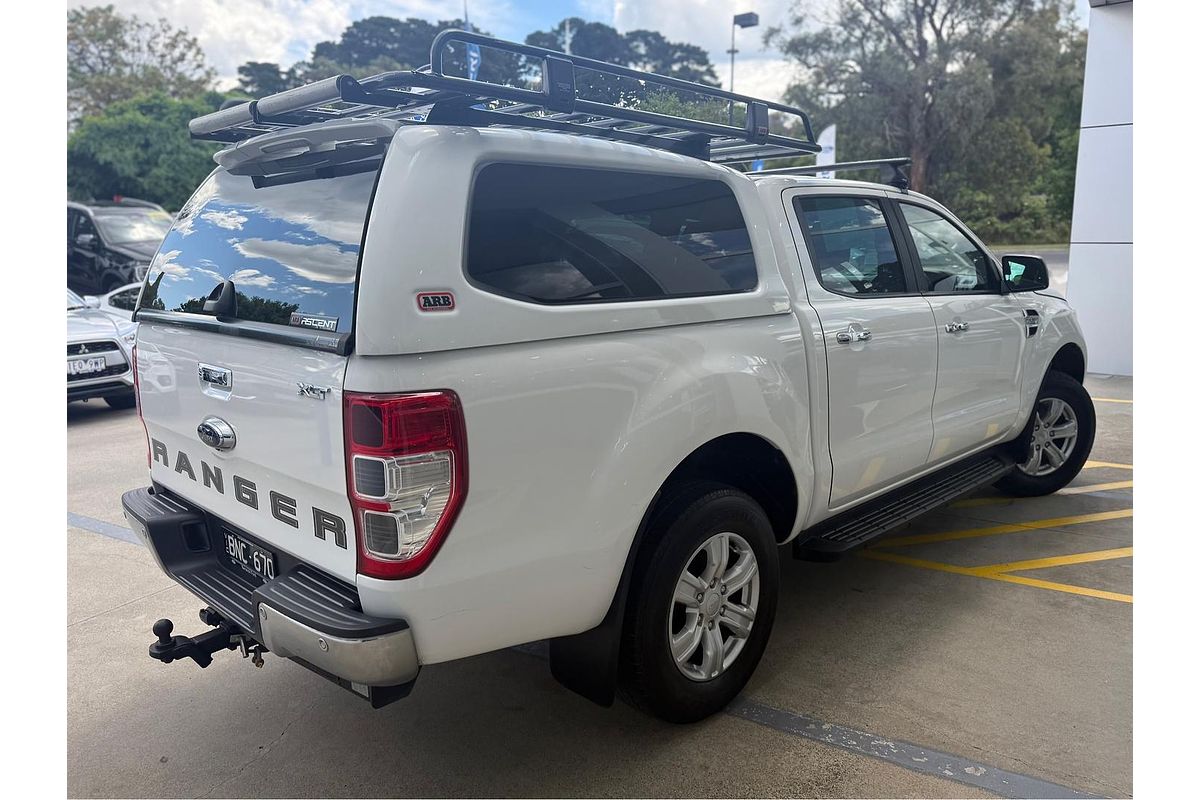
435	301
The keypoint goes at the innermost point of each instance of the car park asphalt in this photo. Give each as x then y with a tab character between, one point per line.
983	650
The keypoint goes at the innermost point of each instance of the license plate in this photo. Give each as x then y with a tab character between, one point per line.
85	366
249	556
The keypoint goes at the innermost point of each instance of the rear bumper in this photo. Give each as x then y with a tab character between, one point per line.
302	614
104	387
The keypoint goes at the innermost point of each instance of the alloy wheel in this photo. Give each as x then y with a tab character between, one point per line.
713	608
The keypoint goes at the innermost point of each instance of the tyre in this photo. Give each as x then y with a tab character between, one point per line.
701	604
121	401
1062	430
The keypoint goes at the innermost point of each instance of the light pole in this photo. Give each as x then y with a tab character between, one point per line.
747	20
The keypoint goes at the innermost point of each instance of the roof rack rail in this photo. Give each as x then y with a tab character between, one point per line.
890	167
429	96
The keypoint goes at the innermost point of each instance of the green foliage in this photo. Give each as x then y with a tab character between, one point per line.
261	78
256	309
141	148
111	57
983	95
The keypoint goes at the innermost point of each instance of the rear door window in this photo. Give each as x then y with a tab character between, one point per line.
566	235
852	247
291	249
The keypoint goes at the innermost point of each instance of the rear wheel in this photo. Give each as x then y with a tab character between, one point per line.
1063	429
701	606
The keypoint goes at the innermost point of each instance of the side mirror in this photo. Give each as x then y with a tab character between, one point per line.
85	240
91	301
1025	273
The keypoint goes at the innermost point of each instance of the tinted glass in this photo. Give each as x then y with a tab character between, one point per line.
851	245
950	261
126	300
291	250
122	226
562	235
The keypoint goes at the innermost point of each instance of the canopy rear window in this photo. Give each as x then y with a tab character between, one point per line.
290	248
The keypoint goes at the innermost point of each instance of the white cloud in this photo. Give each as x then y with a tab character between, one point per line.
229	220
251	277
233	32
312	262
759	71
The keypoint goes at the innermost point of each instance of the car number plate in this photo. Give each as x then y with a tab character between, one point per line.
250	557
85	366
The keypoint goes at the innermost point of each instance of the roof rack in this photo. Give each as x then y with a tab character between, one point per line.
890	167
429	96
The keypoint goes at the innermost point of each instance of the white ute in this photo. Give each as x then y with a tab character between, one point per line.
431	367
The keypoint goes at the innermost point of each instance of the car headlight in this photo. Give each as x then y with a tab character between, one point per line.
140	270
129	337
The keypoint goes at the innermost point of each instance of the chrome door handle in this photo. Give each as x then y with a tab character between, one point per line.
957	327
853	334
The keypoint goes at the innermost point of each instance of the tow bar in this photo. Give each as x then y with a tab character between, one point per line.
200	648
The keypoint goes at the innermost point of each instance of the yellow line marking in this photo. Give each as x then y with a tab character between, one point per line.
1085	489
1096	487
1057	561
1111	400
978	572
1018	527
1062	587
1095	464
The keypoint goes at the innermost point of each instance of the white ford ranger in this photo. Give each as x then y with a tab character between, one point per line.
431	367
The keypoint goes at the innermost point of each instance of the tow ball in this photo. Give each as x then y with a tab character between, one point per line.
200	648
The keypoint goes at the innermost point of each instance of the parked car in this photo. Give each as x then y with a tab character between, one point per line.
119	303
99	354
504	376
110	244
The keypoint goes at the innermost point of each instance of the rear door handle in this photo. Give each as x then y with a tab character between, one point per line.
854	333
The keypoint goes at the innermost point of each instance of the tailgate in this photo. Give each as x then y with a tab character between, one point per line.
244	322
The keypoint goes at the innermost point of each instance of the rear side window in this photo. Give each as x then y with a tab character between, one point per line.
851	245
566	235
291	249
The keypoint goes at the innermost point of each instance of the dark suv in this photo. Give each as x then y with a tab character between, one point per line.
110	243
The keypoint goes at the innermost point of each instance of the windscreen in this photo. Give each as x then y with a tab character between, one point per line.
290	248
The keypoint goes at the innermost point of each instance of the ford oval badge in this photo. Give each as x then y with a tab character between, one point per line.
216	433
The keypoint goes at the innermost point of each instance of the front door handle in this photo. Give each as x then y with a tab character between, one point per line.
854	333
957	326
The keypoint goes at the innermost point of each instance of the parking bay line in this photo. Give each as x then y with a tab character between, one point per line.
1111	400
988	572
118	532
1089	488
1099	464
995	530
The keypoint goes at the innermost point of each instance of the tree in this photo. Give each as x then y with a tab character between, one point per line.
111	57
983	95
260	78
917	63
141	148
644	50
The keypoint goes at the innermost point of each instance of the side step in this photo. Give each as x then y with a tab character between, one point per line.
874	518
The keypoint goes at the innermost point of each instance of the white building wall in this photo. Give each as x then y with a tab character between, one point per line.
1100	273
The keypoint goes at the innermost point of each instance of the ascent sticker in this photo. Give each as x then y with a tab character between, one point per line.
314	321
435	301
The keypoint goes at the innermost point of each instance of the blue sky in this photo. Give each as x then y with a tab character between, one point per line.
235	31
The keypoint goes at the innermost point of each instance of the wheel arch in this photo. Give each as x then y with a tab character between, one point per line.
587	662
1070	360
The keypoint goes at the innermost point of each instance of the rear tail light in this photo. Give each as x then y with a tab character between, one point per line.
406	466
